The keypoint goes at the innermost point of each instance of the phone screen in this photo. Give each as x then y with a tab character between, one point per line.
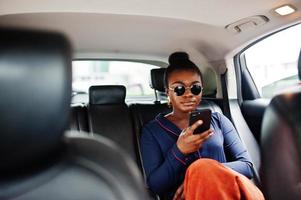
205	116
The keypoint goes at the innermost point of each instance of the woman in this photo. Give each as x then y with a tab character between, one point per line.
167	143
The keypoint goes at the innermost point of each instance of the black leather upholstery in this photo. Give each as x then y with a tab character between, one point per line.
34	85
281	146
39	161
157	79
109	94
79	118
89	168
110	117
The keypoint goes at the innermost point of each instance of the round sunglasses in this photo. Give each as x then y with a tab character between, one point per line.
179	90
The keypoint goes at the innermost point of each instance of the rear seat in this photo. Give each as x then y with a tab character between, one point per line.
109	116
79	118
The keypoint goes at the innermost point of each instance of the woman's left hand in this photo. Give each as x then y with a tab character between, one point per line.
179	195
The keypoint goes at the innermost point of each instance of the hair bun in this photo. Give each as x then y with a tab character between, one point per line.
178	57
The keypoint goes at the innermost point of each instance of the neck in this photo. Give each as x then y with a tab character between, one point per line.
180	115
181	119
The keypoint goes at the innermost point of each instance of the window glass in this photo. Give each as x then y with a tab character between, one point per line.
272	62
133	75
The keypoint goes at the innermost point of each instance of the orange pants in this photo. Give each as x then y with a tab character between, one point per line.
208	179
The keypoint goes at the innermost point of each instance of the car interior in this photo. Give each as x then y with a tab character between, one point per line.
79	80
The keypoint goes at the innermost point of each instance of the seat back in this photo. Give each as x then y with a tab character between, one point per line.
281	146
38	160
109	116
79	118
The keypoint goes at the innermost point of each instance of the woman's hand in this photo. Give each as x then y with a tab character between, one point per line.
179	195
188	143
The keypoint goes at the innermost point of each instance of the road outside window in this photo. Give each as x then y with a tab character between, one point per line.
272	62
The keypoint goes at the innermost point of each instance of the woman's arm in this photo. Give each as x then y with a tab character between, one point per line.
241	161
162	169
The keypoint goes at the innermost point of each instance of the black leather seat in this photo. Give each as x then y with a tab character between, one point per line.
281	146
79	117
109	116
39	161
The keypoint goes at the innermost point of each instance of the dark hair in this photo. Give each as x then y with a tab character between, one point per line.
179	61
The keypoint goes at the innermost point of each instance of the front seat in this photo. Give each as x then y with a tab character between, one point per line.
39	160
281	145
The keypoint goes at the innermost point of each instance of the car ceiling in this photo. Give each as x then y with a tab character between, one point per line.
148	29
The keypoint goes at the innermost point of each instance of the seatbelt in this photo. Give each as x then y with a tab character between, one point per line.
226	107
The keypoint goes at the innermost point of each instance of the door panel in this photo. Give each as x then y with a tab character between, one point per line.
253	111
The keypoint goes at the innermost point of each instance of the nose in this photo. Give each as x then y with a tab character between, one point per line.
187	92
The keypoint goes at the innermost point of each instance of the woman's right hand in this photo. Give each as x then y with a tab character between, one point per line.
188	142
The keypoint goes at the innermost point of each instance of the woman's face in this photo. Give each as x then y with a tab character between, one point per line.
189	82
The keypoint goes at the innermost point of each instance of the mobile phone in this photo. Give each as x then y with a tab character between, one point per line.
205	116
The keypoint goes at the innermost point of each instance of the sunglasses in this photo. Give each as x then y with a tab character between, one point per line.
179	90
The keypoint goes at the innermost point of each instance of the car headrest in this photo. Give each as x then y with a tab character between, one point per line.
157	79
35	86
107	94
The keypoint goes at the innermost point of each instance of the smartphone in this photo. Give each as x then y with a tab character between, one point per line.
205	116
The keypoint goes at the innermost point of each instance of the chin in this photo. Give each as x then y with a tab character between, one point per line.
188	109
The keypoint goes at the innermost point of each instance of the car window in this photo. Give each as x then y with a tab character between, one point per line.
133	75
272	62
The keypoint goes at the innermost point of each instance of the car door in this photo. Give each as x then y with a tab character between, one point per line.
266	68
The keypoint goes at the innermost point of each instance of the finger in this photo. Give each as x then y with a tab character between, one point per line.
191	128
201	135
209	135
182	196
176	196
199	142
205	134
178	193
181	188
188	131
183	131
203	138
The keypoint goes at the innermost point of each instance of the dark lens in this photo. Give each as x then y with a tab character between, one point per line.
196	89
179	90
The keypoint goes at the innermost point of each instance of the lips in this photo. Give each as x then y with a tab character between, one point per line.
189	103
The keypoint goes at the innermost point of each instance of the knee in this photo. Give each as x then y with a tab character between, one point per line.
203	163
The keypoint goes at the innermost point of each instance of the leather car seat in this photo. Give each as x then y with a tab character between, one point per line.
281	145
39	160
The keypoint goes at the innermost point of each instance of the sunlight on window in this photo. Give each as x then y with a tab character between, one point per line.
272	62
133	75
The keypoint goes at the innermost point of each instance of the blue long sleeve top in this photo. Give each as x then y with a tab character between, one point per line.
165	165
